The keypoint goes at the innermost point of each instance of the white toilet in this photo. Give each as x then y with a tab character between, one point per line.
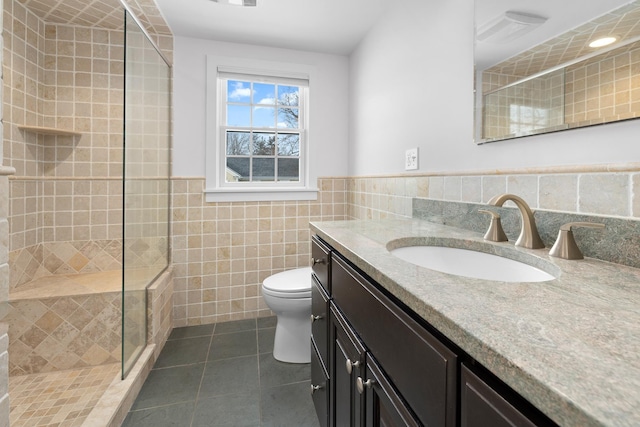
288	295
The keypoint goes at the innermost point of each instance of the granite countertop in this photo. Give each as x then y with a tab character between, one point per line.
571	346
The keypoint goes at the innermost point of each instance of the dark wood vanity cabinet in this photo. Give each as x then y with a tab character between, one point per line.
482	405
384	366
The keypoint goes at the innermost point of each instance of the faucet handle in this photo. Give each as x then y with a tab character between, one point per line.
495	233
565	246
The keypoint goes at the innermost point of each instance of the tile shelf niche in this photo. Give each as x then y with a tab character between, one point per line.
49	131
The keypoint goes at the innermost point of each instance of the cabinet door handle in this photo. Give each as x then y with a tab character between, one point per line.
361	385
315	388
314	318
350	365
315	261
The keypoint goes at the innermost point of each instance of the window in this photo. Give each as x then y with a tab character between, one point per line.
259	136
262	131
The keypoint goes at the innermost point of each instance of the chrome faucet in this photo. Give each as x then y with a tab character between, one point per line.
529	237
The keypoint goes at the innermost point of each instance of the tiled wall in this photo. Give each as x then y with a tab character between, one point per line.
65	207
604	90
600	190
222	252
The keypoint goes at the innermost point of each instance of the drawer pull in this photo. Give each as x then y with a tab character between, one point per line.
315	388
361	385
318	317
315	261
350	365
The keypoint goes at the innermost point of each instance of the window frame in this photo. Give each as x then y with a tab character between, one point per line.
219	70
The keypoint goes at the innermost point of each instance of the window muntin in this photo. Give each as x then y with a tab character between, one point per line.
262	132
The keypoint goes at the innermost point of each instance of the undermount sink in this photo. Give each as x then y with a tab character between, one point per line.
468	263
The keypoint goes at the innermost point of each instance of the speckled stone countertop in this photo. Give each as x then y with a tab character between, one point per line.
571	346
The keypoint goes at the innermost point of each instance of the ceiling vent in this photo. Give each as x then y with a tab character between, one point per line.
238	2
508	27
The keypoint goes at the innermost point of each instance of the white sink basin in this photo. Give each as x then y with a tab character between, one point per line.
467	263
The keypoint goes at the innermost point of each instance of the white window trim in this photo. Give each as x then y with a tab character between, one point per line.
216	190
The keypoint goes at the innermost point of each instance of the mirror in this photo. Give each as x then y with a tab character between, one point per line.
536	73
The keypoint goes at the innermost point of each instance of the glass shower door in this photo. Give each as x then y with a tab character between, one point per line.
147	121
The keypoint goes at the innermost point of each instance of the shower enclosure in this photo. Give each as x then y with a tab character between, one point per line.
146	186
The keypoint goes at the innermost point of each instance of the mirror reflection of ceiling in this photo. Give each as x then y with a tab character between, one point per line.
624	23
95	13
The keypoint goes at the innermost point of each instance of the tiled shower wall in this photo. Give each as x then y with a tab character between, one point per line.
65	200
223	251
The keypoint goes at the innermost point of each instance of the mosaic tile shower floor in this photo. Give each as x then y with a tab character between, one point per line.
62	398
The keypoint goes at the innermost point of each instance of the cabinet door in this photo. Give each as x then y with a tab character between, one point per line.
320	387
383	405
482	406
420	366
347	363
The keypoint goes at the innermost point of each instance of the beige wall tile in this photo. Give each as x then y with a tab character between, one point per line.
525	186
559	192
635	207
606	194
493	186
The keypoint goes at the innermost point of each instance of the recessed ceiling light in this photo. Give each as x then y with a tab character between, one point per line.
603	41
237	2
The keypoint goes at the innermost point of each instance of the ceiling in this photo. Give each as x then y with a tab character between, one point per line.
327	26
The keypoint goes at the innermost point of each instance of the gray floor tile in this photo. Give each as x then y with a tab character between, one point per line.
177	415
236	386
233	345
274	373
267	322
265	340
183	352
170	385
230	376
288	405
191	332
236	410
235	326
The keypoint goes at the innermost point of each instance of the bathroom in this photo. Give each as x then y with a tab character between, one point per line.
221	251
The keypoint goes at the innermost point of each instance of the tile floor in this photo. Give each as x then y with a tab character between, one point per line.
61	398
224	375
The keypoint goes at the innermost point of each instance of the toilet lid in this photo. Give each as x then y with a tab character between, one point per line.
290	281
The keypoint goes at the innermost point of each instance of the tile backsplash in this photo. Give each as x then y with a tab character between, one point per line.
584	190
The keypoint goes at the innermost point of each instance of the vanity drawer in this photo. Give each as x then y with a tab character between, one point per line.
319	323
320	262
421	367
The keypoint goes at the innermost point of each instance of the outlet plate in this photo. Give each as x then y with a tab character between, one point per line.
411	159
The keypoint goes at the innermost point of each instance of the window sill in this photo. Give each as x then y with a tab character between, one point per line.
260	194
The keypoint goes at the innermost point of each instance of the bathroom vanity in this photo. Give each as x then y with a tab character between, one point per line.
396	344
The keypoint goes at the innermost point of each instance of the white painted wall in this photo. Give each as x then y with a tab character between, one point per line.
328	103
411	86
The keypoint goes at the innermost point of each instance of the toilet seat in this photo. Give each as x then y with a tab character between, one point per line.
294	283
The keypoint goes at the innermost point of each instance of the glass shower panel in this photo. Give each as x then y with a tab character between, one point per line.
147	121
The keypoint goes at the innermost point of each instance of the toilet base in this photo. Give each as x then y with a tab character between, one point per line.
292	343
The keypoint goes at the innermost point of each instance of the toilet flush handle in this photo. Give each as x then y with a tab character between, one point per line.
315	261
316	317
